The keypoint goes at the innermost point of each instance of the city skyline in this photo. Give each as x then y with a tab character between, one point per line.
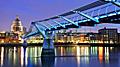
82	29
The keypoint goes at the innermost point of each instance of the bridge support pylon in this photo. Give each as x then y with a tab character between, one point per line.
48	44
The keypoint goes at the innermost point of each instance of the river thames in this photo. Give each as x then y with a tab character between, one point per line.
65	56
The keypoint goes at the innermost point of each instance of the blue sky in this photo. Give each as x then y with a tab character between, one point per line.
32	10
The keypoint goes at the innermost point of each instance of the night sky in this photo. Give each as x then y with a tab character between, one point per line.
32	10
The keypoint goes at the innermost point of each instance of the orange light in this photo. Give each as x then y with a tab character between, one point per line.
101	54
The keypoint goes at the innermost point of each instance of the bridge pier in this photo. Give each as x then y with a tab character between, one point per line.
48	48
48	45
24	43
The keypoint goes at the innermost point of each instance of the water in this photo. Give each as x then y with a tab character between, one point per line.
74	56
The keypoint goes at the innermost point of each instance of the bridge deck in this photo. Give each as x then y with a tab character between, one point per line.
100	12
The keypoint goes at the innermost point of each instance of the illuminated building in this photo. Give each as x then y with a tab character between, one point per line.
17	28
93	37
103	36
8	37
35	39
71	38
83	38
63	36
109	35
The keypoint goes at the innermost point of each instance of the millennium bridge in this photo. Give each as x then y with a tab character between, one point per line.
101	11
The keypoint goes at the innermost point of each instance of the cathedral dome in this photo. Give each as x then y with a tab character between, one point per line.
16	25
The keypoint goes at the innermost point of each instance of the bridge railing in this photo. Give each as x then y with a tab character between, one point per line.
93	11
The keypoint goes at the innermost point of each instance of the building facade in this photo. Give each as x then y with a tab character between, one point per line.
105	35
18	28
109	35
8	37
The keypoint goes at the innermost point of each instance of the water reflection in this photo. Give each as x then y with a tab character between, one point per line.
2	55
77	56
48	61
100	50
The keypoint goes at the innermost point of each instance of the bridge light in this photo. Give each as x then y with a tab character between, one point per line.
59	24
75	11
68	20
89	17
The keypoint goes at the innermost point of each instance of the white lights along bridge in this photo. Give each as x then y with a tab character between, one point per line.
101	11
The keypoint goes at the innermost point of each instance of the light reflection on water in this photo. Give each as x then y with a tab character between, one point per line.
76	56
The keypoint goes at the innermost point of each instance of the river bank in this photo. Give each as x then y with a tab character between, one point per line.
62	44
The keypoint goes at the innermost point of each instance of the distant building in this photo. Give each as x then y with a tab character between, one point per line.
8	37
93	37
105	35
18	28
35	39
108	35
71	37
